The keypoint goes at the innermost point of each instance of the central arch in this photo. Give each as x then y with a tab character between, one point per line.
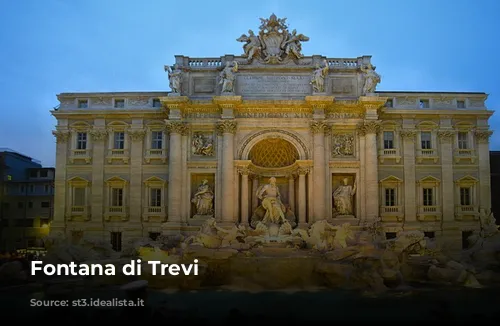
291	139
273	153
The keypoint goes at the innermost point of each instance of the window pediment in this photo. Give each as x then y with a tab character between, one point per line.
117	126
429	180
116	182
391	180
427	125
466	181
78	182
155	182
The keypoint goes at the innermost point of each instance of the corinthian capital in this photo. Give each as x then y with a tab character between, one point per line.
137	135
61	136
226	127
446	135
483	136
318	127
408	134
177	127
371	127
98	134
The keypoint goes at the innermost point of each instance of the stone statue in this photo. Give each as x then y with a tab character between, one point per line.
202	145
292	44
271	201
203	199
175	78
371	78
228	76
343	198
318	77
252	47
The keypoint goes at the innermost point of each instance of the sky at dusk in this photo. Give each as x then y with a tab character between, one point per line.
54	46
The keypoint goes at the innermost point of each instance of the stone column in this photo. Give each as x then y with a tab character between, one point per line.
328	176
447	186
361	191
136	158
483	139
318	130
255	186
227	128
410	195
302	196
60	191
291	192
371	168
185	148
244	195
175	129
99	150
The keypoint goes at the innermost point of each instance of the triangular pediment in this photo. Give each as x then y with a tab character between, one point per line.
391	178
467	178
154	179
116	179
429	179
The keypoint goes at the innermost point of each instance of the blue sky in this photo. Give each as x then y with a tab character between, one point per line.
54	46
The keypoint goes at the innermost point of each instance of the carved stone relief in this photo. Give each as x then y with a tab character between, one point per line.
138	101
342	144
202	144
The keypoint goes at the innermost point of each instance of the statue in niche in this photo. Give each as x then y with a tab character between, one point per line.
343	145
343	198
272	214
175	78
228	76
252	47
202	145
292	44
204	199
371	78
318	77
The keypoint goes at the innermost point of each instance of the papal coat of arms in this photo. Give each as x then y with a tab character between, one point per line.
274	44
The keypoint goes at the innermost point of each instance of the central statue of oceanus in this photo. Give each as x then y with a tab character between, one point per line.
274	44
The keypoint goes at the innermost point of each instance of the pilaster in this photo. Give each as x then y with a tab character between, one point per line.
370	129
227	128
62	138
99	135
137	134
483	139
409	174
319	166
245	200
302	196
447	186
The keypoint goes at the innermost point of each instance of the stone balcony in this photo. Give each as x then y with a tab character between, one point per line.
116	213
78	213
429	213
389	154
154	214
427	155
466	212
392	213
122	155
155	154
80	155
468	155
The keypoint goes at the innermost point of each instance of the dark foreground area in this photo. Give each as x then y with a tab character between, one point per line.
242	308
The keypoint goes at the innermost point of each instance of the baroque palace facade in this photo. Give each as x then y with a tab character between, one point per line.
138	164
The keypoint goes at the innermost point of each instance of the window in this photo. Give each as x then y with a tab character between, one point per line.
428	199
30	204
33	174
430	234
388	139
117	197
46	188
390	197
20	204
154	235
155	197
44	173
156	140
21	189
79	196
390	235
116	241
119	103
465	196
83	104
463	140
32	188
156	103
424	104
81	140
425	139
461	104
389	103
465	239
119	140
45	204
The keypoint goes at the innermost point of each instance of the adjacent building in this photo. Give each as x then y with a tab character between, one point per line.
26	196
130	164
495	183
